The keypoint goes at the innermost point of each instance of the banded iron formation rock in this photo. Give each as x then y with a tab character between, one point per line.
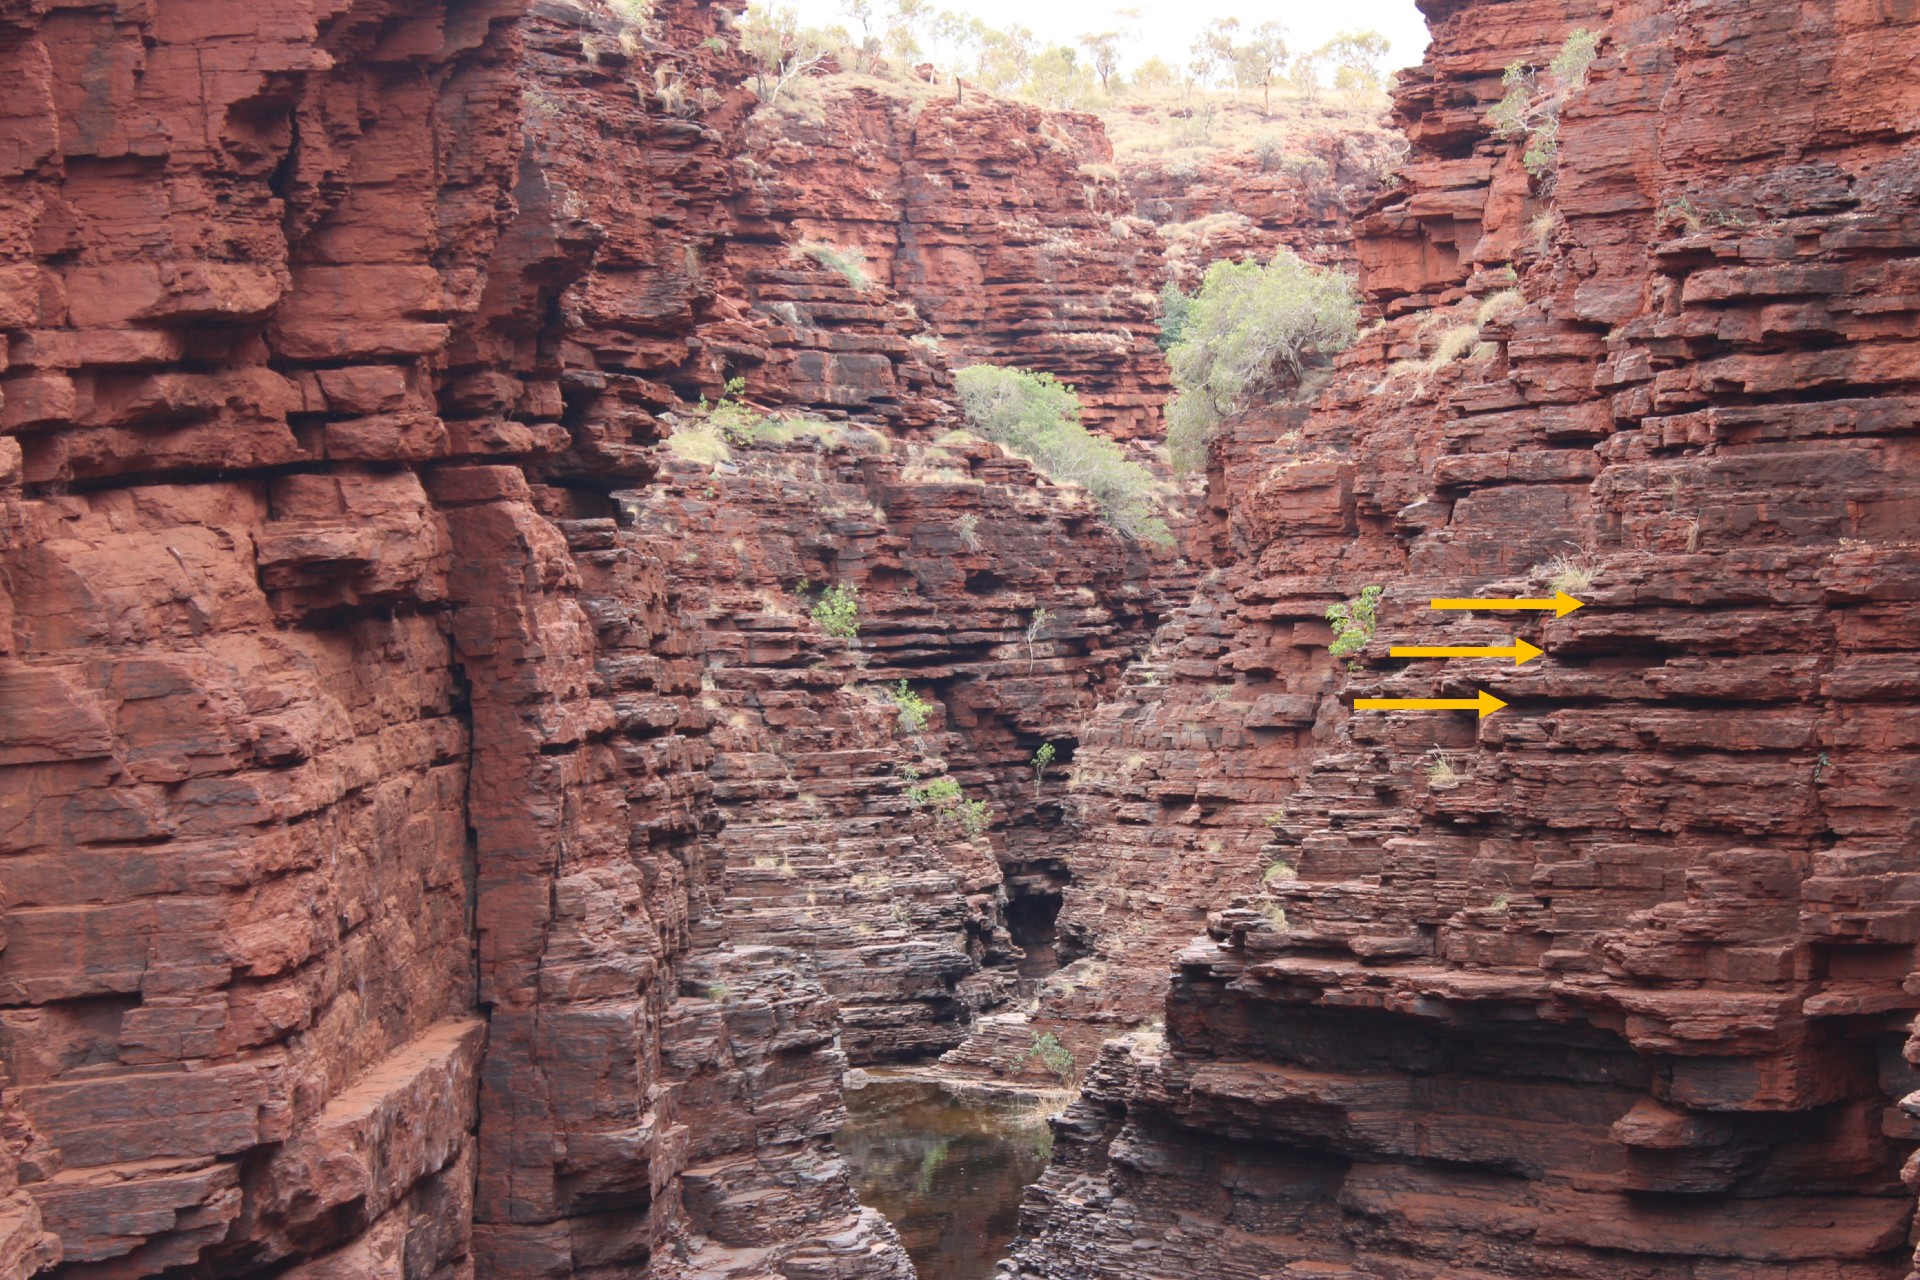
368	734
440	839
1618	981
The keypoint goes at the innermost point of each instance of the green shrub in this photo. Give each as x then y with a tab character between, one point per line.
940	793
1038	416
730	417
1250	329
1530	108
1053	1055
914	710
1175	306
1353	622
837	611
1041	759
951	807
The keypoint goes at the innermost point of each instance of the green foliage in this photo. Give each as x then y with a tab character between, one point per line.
1356	56
1276	872
837	611
941	793
1249	330
850	261
1353	622
730	416
1577	52
950	806
1276	819
1038	417
1053	1055
1176	305
1529	109
914	710
930	1162
1041	759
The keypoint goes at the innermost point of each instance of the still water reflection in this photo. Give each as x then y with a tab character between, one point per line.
947	1170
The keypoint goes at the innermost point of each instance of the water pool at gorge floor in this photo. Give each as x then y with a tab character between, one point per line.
947	1168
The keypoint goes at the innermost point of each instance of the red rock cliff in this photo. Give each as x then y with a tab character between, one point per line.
356	773
368	909
1002	223
1616	981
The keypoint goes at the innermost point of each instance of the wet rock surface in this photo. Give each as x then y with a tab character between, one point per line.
947	1168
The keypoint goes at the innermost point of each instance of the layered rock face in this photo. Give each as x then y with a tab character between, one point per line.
1004	225
1245	204
993	597
1615	982
356	770
368	911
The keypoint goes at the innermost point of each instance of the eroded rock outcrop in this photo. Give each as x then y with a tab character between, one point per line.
326	671
1617	981
1246	204
367	907
1004	225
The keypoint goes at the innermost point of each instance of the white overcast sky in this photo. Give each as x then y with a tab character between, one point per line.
1169	27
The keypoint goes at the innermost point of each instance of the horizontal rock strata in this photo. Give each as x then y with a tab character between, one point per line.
1614	982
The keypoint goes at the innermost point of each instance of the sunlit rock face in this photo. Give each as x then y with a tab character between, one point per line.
1615	982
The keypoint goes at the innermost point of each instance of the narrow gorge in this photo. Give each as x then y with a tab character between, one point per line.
527	687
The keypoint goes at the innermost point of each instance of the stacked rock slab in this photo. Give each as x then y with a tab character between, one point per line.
1004	225
366	909
356	771
954	550
1617	981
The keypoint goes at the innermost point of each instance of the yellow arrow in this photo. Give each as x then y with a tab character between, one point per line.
1562	604
1520	651
1486	704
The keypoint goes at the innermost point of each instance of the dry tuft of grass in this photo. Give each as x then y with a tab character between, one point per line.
1454	343
1497	305
1441	775
698	444
1572	574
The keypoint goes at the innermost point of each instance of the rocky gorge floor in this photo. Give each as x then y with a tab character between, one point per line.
447	831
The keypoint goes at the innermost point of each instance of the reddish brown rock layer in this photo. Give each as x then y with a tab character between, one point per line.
1002	224
1622	990
1240	204
367	908
955	551
324	668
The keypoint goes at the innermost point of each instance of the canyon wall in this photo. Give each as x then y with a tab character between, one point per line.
1237	204
368	910
1004	225
1617	980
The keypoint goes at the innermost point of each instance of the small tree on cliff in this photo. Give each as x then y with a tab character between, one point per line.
782	49
1251	330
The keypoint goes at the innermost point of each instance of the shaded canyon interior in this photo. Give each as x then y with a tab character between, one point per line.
437	841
